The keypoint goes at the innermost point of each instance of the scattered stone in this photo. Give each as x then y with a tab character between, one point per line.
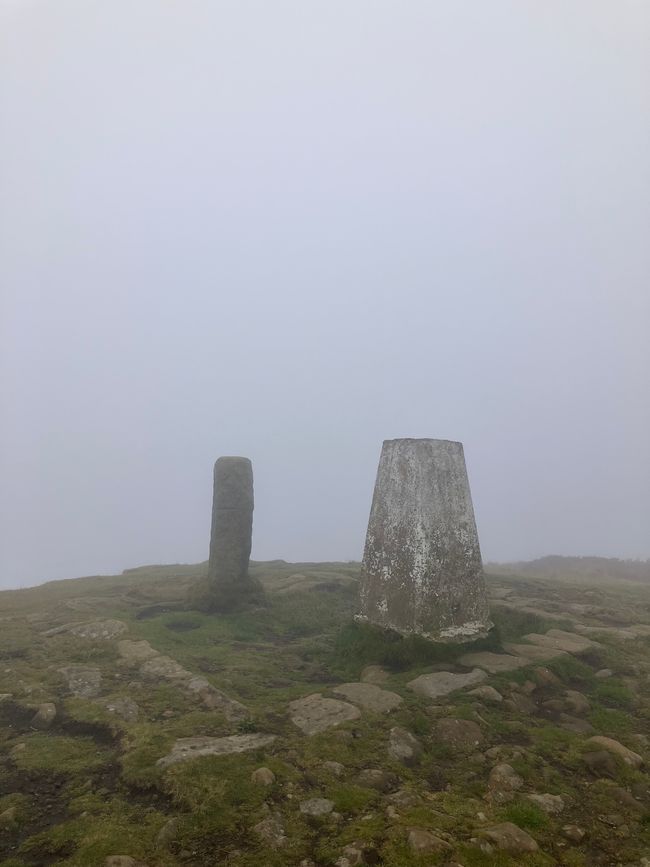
624	798
353	855
494	663
263	777
369	696
440	683
551	804
420	840
44	716
576	703
422	571
601	763
487	693
545	677
576	725
375	778
192	748
122	861
510	838
271	830
574	833
335	768
404	799
374	674
316	807
503	782
100	630
315	714
404	747
135	652
125	708
604	673
83	681
533	652
164	668
460	735
629	757
520	703
5	696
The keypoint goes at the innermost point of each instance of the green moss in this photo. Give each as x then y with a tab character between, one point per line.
60	754
526	815
613	693
349	798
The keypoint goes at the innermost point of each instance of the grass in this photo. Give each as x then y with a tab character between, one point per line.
62	755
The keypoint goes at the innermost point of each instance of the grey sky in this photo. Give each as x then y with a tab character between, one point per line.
290	230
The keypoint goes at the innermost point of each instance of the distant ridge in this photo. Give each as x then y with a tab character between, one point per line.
555	566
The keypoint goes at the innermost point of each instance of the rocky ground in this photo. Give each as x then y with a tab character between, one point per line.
137	731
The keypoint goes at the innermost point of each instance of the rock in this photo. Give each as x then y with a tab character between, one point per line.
164	668
215	699
604	673
460	735
404	799
83	681
125	708
624	798
520	703
440	683
420	840
8	818
231	585
316	807
44	716
487	693
375	778
100	630
135	652
122	861
545	677
573	833
576	703
422	571
5	696
503	782
510	838
263	777
353	855
551	804
494	663
168	832
558	639
404	747
315	714
369	696
374	674
630	758
192	748
533	652
335	768
601	763
271	830
576	725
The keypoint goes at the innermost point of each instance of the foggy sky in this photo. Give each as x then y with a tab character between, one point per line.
290	230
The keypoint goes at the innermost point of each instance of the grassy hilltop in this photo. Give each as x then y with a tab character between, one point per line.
102	676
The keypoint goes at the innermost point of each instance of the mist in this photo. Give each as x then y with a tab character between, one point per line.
290	231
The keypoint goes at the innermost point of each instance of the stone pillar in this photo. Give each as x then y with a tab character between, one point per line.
232	532
422	571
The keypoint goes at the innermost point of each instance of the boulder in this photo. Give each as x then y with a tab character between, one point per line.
576	703
335	768
135	652
601	763
494	663
460	735
503	782
263	777
404	747
551	804
376	778
630	758
271	830
125	708
83	681
44	716
369	696
374	674
316	807
440	683
510	838
314	713
487	693
192	748
421	841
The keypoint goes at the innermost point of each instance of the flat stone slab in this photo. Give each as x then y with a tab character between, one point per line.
624	633
100	630
440	683
164	668
83	680
558	639
493	662
315	714
369	696
135	651
193	748
533	652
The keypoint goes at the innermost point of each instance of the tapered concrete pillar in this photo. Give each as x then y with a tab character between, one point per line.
232	532
422	571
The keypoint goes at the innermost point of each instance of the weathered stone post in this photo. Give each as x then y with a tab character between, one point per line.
231	537
422	571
